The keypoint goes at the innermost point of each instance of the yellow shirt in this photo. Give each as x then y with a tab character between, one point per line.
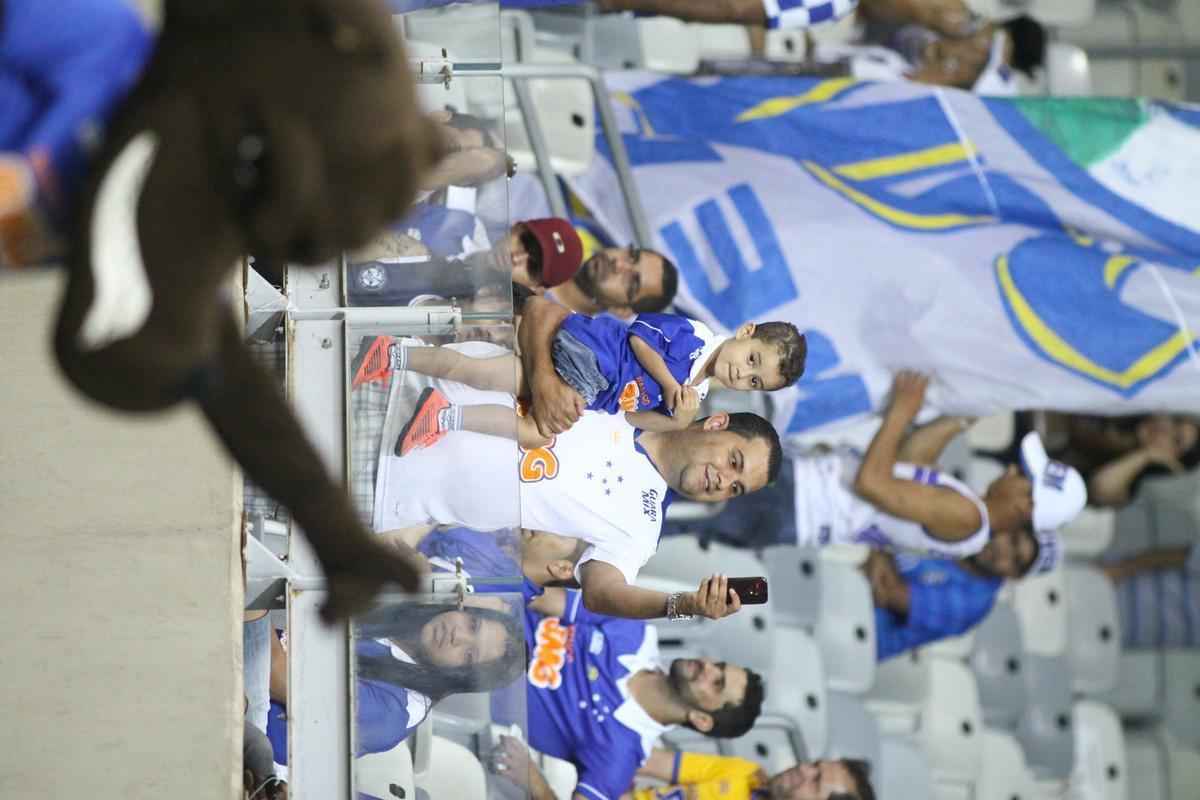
705	777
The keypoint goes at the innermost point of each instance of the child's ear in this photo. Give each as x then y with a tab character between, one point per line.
744	331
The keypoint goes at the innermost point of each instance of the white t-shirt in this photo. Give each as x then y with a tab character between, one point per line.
828	510
592	483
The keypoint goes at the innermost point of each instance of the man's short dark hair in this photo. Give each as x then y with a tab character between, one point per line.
670	285
1028	43
793	348
731	721
752	426
860	773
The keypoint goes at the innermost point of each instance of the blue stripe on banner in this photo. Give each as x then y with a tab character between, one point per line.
1077	181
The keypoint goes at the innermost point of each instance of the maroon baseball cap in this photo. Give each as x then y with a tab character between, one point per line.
562	249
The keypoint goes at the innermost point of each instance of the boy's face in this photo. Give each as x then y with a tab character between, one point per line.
748	364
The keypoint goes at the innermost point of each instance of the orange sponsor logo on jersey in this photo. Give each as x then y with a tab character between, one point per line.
633	394
551	652
539	464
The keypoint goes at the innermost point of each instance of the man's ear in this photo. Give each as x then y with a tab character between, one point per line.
700	721
745	330
561	569
716	422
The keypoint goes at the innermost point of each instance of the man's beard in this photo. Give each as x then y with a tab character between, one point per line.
583	279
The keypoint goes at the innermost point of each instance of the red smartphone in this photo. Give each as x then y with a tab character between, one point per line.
751	591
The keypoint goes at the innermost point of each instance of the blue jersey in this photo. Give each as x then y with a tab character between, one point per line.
685	346
578	704
387	714
943	600
484	555
64	67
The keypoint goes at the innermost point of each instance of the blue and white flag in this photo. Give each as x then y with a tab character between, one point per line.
1029	253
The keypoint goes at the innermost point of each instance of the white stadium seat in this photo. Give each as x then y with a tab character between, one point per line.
1139	690
1045	729
846	628
725	42
376	774
773	742
785	45
854	732
1041	604
1004	775
1183	769
1182	712
1100	769
997	659
1146	766
1094	632
903	771
992	433
951	726
455	773
796	686
566	111
668	45
902	685
1090	533
1048	12
794	576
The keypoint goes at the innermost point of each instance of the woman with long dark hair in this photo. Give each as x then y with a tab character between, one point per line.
409	656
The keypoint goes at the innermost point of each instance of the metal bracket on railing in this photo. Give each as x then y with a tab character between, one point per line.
439	71
458	583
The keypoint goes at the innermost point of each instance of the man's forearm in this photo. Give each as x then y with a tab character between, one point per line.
539	789
740	12
1111	483
876	468
924	446
625	601
540	321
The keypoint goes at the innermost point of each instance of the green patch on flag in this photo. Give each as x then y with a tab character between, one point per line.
1086	129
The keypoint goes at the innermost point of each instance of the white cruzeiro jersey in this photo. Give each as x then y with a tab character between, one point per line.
828	510
594	482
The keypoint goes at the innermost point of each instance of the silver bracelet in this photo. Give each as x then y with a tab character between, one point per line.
673	606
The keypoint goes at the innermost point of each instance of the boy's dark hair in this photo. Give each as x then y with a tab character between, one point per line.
752	426
731	721
860	773
670	285
1028	43
793	348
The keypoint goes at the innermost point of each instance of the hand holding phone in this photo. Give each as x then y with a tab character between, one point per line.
751	591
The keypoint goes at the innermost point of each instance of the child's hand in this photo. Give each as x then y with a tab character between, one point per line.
908	393
686	405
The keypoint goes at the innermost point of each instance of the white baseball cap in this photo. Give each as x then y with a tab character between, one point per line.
1059	491
1049	552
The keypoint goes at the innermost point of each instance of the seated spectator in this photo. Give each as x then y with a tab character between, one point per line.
599	698
771	13
701	775
982	61
408	263
1158	597
408	657
893	497
1116	454
921	600
620	281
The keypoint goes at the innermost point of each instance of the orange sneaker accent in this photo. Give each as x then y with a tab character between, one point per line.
375	363
422	429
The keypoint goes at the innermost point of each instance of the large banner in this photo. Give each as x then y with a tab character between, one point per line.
1029	253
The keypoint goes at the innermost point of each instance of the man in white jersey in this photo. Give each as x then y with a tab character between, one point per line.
602	481
884	502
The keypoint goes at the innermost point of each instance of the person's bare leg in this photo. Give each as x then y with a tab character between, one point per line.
498	374
742	12
497	420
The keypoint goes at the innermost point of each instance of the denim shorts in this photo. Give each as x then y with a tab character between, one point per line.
577	365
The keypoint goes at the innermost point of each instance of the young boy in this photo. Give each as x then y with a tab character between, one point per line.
655	371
